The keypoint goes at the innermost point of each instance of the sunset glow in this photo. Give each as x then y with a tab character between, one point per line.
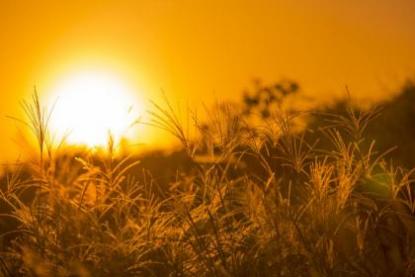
89	105
207	138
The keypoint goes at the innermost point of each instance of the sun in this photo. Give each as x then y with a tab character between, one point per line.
87	106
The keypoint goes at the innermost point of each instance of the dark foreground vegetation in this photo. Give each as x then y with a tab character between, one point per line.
254	193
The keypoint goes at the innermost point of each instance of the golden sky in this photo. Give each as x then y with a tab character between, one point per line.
194	50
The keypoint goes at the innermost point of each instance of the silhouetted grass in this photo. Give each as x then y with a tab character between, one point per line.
256	198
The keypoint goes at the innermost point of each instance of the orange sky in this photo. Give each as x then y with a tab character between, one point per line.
195	49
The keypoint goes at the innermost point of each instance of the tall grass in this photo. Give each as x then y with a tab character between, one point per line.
257	201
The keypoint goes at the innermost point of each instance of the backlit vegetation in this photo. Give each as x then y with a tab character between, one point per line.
252	195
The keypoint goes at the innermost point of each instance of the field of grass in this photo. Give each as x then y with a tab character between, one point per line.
251	197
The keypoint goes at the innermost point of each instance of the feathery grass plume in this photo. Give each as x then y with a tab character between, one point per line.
265	202
37	120
167	119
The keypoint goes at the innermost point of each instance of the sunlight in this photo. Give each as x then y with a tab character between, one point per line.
89	105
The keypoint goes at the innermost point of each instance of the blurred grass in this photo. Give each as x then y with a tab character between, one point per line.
248	195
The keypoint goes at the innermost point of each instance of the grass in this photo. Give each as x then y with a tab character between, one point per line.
256	199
